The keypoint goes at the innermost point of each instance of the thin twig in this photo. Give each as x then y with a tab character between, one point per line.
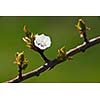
20	72
54	62
44	57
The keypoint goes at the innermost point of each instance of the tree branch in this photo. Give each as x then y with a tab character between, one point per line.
54	62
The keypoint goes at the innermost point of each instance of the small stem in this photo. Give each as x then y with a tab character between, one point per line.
85	37
44	57
20	72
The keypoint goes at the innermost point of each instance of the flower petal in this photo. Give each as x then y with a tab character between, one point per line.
42	41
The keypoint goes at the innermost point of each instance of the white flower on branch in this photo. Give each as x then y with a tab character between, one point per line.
42	41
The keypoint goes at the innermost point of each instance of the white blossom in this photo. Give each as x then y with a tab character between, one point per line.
42	41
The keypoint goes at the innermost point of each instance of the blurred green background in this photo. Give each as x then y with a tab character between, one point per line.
85	67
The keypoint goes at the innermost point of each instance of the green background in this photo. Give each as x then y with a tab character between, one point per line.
85	67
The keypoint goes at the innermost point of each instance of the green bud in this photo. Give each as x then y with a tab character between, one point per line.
20	58
27	41
61	54
28	34
81	25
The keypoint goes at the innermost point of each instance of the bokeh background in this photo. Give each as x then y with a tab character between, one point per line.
85	67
